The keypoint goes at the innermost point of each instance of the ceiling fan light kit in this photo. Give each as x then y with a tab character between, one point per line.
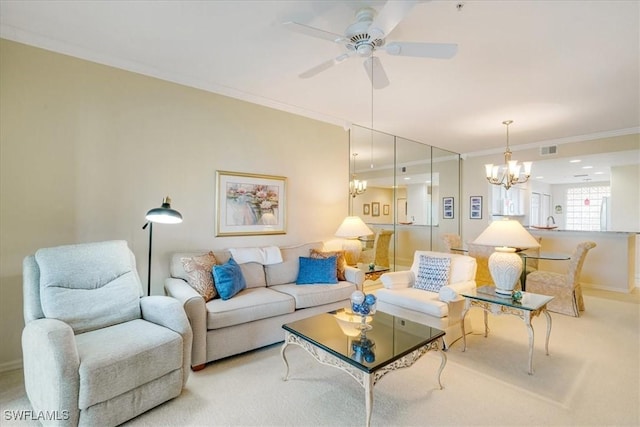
368	35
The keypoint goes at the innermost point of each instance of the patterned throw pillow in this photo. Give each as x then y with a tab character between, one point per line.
341	261
433	273
199	273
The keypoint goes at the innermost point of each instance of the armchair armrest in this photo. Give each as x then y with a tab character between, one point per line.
168	312
51	368
354	275
398	279
194	307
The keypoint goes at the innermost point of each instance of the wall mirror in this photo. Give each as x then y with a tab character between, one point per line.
406	184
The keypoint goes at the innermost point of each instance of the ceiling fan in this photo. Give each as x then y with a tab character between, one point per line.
368	35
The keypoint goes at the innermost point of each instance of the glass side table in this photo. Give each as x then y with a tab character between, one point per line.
530	306
372	274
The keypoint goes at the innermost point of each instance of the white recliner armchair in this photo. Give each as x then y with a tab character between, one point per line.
95	351
449	273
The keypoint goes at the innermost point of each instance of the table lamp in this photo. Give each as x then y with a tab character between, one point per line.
163	215
505	265
351	228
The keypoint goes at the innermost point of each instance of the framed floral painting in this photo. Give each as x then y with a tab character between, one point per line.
250	204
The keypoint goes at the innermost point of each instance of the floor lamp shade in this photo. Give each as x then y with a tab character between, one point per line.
162	215
505	265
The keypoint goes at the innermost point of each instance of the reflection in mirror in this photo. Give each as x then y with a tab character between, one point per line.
406	181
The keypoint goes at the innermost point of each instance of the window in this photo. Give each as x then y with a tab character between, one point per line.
584	206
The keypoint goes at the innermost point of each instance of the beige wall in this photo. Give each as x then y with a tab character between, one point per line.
87	149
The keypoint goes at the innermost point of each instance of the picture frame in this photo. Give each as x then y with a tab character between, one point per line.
366	209
475	207
250	204
385	209
375	208
447	208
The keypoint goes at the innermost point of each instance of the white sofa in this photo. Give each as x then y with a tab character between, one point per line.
441	310
254	317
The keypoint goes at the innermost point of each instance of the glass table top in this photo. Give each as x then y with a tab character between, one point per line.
529	301
389	338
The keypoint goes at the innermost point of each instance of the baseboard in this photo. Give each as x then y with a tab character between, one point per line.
11	366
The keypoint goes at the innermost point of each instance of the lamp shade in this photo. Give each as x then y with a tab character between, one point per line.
506	233
352	227
164	214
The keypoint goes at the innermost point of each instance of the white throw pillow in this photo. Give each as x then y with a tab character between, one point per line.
433	273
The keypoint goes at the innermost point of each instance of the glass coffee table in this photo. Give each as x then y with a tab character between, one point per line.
390	343
530	306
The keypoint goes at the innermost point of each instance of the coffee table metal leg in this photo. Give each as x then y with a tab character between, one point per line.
284	358
443	362
368	396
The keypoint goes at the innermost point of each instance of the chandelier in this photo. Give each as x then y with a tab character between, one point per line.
510	173
356	187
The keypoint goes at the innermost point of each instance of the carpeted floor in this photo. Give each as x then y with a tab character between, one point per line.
591	378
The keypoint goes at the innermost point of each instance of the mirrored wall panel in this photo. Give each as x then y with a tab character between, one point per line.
406	191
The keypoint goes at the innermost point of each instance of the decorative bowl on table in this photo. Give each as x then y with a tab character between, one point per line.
364	306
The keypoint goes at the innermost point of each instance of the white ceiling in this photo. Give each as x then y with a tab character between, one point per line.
559	69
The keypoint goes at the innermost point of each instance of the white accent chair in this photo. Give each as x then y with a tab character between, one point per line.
95	351
441	310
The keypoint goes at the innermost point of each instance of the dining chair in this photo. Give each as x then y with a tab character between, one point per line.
379	254
565	288
451	242
481	253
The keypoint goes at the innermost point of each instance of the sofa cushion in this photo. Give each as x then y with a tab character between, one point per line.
228	279
287	271
248	305
433	273
199	271
415	299
317	270
341	261
138	352
311	296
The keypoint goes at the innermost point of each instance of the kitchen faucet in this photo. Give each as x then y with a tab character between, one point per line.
550	217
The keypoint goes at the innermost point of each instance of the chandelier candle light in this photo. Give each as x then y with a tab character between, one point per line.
511	169
356	187
505	265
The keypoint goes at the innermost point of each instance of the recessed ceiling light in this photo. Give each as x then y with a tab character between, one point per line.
587	167
598	173
407	178
575	161
539	177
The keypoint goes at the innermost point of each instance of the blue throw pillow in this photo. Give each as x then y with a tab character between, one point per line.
322	270
228	279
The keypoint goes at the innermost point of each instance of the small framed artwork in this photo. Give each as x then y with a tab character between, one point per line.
447	208
375	208
250	204
366	209
475	207
385	209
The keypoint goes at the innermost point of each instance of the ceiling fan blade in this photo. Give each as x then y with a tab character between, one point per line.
425	50
390	16
313	32
324	66
376	72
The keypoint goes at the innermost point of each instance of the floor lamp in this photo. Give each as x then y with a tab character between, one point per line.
163	215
